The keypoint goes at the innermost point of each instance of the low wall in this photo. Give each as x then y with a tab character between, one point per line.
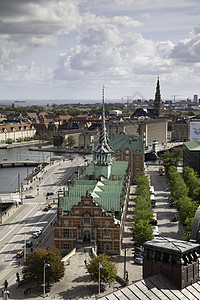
67	257
9	212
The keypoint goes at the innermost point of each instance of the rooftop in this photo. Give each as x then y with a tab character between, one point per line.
171	245
106	193
192	145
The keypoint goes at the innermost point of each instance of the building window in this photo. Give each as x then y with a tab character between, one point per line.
137	171
65	232
127	151
66	246
137	164
137	157
106	233
87	220
107	247
127	158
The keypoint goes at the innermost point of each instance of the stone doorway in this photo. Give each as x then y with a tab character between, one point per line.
86	237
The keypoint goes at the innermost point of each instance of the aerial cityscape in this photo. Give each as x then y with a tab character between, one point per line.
99	149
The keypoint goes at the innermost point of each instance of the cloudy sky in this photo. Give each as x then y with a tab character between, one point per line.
67	49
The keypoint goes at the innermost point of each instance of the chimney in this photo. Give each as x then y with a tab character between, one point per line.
176	259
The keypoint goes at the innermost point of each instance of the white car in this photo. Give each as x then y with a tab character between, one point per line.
155	231
29	196
36	233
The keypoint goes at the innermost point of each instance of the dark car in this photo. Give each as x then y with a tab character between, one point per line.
50	193
29	243
138	259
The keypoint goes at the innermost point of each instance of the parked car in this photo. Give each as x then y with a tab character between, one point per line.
29	243
138	258
20	254
50	193
155	231
139	249
46	208
29	196
154	222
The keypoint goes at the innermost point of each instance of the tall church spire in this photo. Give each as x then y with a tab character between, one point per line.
102	152
157	101
102	146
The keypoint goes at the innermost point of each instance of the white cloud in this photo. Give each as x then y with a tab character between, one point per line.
122	42
126	21
188	50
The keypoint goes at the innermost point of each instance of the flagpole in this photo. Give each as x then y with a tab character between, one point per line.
99	280
44	280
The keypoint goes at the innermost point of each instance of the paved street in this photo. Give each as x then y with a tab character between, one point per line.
77	284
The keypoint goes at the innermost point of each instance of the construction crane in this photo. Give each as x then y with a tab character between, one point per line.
174	97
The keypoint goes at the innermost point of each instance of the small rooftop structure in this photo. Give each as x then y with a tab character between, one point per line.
176	259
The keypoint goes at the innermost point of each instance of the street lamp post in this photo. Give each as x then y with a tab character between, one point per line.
24	242
124	261
100	267
44	279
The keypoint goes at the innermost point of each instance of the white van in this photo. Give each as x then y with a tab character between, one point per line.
155	231
152	189
153	201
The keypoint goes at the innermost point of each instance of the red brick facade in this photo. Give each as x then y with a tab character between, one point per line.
136	161
87	222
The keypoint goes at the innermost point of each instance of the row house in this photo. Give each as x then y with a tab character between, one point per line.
15	132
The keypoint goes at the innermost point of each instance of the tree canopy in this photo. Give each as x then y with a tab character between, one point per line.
70	141
143	213
34	265
108	271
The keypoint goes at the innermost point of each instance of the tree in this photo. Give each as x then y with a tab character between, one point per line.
142	231
108	271
34	265
172	158
70	142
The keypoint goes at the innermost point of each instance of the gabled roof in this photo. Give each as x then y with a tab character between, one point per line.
134	142
156	287
106	193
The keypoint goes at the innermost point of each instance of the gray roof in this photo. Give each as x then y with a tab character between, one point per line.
155	287
171	245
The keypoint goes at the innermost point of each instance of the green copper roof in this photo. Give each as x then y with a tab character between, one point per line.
193	145
134	142
106	193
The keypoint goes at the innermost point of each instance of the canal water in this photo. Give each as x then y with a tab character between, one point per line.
11	178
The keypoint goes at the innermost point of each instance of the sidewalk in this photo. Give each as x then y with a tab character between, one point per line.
77	283
134	270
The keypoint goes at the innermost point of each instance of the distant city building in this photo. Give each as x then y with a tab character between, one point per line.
195	130
196	99
180	130
93	209
115	112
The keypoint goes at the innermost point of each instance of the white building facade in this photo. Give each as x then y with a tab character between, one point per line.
16	132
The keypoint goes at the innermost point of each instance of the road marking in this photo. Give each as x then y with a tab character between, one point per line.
16	225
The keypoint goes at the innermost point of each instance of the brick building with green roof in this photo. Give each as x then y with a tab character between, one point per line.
93	209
